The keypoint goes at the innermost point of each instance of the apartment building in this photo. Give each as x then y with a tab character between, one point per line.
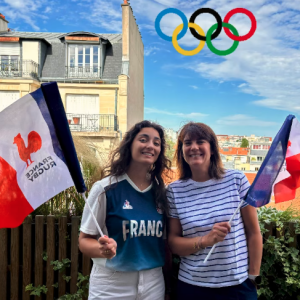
100	76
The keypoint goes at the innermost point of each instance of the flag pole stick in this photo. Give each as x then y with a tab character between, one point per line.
93	217
214	246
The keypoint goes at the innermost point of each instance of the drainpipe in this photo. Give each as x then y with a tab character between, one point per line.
116	101
120	134
116	112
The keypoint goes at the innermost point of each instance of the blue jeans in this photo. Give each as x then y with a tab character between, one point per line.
243	291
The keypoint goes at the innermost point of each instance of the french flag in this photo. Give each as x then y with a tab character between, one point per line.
37	154
280	172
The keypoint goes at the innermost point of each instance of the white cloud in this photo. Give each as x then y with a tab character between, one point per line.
28	11
181	115
48	10
104	14
244	120
194	87
151	50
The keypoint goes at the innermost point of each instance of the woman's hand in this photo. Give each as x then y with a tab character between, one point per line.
217	234
107	247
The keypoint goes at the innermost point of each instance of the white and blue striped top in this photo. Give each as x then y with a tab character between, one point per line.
198	206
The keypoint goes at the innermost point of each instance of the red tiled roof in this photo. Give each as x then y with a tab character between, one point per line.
235	151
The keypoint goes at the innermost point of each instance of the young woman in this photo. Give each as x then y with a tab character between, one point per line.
130	205
201	203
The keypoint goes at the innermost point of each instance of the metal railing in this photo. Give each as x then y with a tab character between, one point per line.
19	68
87	72
92	122
256	162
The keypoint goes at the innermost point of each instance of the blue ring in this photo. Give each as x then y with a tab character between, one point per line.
176	12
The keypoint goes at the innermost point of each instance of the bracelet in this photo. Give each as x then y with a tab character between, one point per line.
198	245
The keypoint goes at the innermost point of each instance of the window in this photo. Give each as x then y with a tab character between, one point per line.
256	168
9	62
84	61
259	158
243	169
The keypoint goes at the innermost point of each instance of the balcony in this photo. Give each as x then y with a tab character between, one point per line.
86	72
256	162
92	122
17	68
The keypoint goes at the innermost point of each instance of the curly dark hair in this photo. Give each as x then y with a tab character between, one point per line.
121	157
199	131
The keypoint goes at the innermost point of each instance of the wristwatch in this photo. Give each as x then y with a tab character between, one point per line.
255	278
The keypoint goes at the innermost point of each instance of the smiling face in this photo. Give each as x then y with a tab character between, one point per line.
196	153
146	146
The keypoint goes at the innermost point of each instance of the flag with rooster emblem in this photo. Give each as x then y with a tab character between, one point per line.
37	154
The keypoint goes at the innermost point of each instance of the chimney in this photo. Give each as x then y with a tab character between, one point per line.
3	24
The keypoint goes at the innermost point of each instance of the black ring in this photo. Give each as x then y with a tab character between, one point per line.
202	11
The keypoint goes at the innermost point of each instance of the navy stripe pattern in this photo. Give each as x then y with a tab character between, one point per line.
198	206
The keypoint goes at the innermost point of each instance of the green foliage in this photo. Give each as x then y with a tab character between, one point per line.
82	283
170	148
60	265
36	291
280	268
83	288
45	255
245	143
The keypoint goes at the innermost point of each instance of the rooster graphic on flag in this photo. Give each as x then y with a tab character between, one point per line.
34	144
37	154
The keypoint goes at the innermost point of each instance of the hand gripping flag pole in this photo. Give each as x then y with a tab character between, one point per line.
214	246
273	176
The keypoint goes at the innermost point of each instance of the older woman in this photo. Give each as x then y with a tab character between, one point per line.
201	204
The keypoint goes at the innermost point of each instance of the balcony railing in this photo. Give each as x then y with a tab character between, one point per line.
87	72
17	68
256	162
92	122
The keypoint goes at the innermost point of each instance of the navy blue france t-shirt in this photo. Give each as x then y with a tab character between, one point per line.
131	219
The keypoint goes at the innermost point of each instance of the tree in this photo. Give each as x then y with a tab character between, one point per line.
170	148
245	143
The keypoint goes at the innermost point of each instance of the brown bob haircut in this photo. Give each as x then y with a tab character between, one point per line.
199	131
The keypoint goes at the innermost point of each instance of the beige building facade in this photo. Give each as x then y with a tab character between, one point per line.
100	76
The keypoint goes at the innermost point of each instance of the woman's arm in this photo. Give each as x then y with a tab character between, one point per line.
254	238
185	246
103	248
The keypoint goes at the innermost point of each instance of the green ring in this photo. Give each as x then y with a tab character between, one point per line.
210	45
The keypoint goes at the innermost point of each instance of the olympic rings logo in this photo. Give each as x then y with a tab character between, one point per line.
212	32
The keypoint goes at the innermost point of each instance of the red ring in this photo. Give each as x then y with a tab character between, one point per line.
253	24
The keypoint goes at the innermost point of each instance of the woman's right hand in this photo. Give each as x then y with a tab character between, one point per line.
107	247
217	234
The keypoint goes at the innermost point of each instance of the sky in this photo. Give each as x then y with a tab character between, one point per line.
250	91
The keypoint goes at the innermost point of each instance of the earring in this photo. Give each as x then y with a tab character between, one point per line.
148	176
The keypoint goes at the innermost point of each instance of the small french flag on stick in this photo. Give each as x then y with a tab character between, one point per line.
280	171
37	154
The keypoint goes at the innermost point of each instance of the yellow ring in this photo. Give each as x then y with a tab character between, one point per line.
187	52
